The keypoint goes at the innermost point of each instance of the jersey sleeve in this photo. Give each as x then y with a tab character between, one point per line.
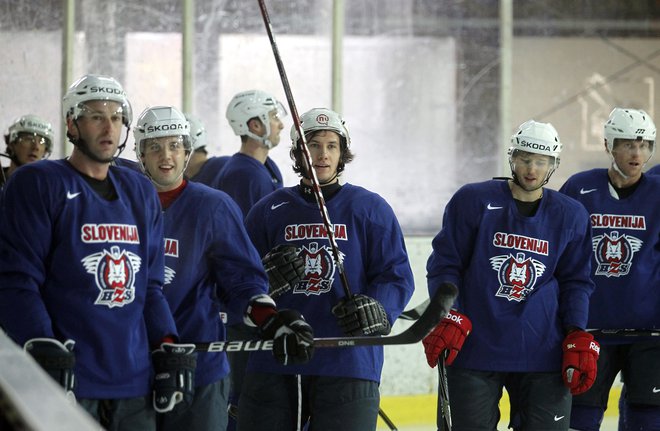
25	235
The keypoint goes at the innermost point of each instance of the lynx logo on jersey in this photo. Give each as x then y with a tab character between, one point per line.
517	275
614	253
114	272
319	270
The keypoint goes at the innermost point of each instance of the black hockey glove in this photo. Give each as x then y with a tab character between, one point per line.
174	379
284	268
293	338
361	315
56	358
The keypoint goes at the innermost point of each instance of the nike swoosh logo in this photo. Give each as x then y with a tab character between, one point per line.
584	192
558	418
70	195
274	207
655	390
490	207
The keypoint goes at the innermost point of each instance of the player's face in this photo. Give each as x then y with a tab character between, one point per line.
29	147
276	127
100	126
164	159
325	151
630	156
531	169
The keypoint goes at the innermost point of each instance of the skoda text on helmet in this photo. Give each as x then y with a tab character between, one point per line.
634	124
92	88
537	138
32	125
158	122
197	132
315	120
250	104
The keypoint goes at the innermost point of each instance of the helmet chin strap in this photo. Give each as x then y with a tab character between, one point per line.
81	144
616	167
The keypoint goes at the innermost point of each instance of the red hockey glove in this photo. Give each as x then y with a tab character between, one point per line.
448	335
580	361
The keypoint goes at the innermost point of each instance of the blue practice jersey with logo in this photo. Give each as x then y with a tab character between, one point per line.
208	257
375	262
247	180
625	250
522	280
76	266
209	173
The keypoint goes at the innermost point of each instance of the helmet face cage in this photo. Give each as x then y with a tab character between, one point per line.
251	104
197	132
316	120
161	121
634	124
95	87
31	124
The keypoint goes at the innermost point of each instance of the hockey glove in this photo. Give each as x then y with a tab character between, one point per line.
580	361
284	268
56	358
293	338
174	379
449	335
361	315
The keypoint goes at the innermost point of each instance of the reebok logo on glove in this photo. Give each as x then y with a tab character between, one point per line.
449	335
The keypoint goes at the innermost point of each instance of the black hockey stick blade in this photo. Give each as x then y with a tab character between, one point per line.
443	394
437	309
624	332
414	313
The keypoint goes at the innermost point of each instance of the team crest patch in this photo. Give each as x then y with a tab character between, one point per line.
319	270
614	253
517	275
114	272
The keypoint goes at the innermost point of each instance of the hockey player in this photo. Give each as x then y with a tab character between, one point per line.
247	176
623	204
519	254
338	389
208	256
28	139
82	263
201	168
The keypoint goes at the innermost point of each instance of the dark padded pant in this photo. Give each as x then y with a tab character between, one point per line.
639	364
207	412
129	414
539	401
273	402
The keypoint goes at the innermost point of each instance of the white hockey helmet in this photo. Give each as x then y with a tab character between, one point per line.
625	123
538	138
31	124
197	132
250	104
160	121
95	87
321	119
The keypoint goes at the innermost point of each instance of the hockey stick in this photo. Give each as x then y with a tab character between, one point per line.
438	308
387	420
443	394
624	332
414	313
311	173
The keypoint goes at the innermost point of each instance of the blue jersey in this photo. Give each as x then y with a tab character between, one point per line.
209	173
247	180
625	250
208	257
375	263
125	163
76	266
522	280
655	170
